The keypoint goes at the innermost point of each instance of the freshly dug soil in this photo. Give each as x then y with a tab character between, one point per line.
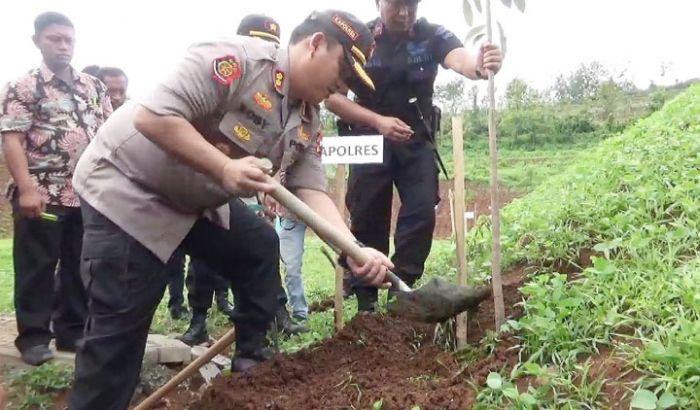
374	358
321	305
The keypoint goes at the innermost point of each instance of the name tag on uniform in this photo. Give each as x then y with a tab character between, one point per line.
365	149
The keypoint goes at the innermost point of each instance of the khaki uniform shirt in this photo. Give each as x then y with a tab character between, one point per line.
235	89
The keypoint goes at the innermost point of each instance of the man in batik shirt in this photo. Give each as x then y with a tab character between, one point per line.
47	117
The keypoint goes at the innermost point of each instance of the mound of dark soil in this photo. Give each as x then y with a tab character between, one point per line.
374	358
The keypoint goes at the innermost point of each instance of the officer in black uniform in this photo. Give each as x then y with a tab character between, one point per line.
403	66
202	281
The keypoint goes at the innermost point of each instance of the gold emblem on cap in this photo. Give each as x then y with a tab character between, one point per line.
346	27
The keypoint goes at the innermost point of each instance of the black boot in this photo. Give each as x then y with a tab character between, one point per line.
37	355
348	281
196	334
366	298
285	324
251	349
223	304
178	312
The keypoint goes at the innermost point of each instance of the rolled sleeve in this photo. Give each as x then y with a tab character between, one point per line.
444	42
193	89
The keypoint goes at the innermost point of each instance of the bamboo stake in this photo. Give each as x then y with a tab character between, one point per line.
451	198
340	203
458	155
499	307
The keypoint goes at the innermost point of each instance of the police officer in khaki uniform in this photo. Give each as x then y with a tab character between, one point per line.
160	172
202	281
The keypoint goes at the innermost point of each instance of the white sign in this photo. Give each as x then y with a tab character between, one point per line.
365	149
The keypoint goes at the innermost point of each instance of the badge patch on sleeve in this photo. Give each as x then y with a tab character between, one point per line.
227	69
242	132
263	101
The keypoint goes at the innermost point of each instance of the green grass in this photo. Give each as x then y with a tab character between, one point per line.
634	199
35	388
7	276
520	170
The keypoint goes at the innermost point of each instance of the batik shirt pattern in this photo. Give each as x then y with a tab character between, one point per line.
58	120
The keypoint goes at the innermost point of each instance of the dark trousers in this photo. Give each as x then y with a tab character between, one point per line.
202	282
411	167
175	271
125	283
38	245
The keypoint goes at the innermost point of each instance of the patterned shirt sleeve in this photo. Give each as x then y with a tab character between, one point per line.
17	105
104	101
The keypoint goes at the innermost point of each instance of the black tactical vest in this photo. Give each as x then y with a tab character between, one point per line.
405	67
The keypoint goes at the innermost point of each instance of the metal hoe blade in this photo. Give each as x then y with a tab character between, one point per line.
437	301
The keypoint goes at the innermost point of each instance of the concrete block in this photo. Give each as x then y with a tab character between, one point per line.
221	361
170	350
209	372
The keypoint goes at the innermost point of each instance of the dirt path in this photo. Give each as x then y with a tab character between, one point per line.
478	200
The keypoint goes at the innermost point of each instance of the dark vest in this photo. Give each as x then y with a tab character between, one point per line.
402	68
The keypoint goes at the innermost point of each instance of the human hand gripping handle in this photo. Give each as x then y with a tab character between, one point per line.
249	174
346	244
489	60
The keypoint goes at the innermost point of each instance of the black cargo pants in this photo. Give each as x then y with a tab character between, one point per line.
125	283
411	167
44	293
202	283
